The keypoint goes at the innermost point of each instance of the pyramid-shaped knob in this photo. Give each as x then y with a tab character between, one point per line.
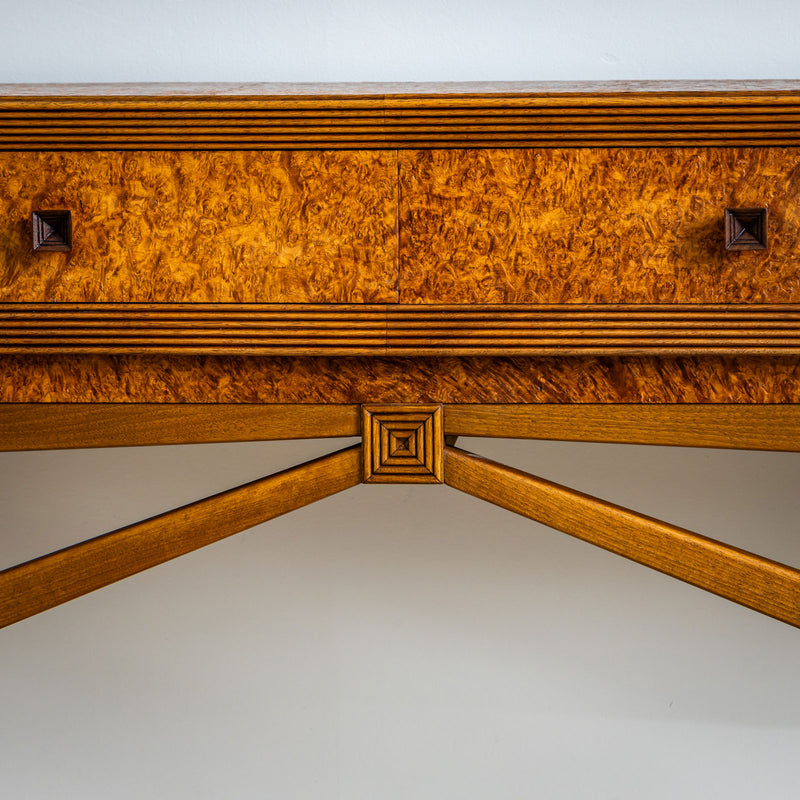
52	230
745	228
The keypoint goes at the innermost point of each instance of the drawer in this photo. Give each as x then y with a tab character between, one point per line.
171	227
592	225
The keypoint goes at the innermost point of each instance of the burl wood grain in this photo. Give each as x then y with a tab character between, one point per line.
232	379
595	226
203	227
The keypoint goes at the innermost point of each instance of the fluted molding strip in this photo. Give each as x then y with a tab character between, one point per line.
398	330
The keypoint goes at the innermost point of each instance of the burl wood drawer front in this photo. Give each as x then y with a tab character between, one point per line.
203	227
629	225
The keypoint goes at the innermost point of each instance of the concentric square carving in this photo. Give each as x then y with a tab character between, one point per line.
403	444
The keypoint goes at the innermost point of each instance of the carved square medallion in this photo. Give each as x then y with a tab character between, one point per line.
403	444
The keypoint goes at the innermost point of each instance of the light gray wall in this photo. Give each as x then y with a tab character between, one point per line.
97	40
397	642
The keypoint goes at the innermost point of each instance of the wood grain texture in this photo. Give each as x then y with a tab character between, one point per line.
232	379
203	227
758	583
52	426
595	226
407	330
307	116
743	426
38	585
40	426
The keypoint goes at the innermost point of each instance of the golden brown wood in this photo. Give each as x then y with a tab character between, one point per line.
38	585
402	443
602	195
39	426
203	227
743	427
51	426
255	116
753	581
595	225
233	379
402	330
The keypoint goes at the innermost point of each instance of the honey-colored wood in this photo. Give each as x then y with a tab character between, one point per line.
38	585
203	227
578	229
398	330
758	583
52	426
595	225
336	116
402	443
743	427
233	379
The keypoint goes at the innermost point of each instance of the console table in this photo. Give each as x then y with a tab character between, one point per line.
407	264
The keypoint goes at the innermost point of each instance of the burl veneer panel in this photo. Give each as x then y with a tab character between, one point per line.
595	226
203	227
192	379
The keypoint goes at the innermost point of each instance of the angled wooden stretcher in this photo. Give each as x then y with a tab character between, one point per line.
407	264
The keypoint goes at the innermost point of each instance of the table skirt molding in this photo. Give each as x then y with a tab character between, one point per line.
399	444
400	115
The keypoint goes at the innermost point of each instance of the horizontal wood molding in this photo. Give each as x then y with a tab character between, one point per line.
723	425
55	426
399	116
398	330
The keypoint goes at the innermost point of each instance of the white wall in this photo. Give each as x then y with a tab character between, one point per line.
397	642
344	40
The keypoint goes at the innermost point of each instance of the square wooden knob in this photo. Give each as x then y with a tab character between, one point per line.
52	230
745	228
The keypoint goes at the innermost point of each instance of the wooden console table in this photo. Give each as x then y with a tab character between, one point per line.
407	264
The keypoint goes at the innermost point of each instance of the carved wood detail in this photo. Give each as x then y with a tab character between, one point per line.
52	231
745	228
402	443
